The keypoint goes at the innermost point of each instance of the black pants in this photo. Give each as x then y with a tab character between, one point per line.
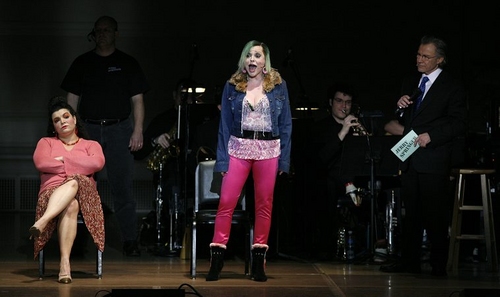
428	205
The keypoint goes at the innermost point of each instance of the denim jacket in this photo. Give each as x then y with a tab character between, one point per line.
231	114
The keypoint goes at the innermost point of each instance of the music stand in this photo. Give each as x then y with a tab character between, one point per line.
369	156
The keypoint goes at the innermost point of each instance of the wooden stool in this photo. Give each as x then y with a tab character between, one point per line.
486	207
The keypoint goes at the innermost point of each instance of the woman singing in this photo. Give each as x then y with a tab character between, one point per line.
254	135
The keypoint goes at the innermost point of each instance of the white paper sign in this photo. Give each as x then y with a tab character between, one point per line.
405	147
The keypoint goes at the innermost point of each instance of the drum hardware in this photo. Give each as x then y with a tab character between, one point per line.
341	251
175	243
366	156
159	205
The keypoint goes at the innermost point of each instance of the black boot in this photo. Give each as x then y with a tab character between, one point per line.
259	264
216	263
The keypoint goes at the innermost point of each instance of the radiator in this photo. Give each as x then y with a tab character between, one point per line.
19	193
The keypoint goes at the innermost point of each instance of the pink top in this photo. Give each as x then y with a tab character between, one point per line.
85	157
255	118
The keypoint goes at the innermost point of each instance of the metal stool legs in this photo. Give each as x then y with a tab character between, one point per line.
489	230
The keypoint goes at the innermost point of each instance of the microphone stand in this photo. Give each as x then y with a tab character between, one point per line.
303	98
173	242
369	252
370	248
179	190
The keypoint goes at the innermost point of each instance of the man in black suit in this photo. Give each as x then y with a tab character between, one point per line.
438	121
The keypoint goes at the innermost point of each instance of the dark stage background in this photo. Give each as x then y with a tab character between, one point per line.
313	44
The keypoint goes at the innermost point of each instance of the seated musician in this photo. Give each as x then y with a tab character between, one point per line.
330	133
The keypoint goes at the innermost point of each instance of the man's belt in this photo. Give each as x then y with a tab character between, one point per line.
259	135
105	122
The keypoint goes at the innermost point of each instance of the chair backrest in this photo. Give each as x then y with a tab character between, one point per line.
203	185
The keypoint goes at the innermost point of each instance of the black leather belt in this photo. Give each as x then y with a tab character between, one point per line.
105	122
259	135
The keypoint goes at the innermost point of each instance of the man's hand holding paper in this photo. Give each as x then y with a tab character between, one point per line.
408	145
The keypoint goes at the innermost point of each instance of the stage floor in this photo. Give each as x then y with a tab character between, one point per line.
288	275
286	278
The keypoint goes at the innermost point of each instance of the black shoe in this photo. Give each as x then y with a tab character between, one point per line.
131	249
400	268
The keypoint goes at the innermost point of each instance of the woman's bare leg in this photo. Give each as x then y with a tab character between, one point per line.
58	201
67	226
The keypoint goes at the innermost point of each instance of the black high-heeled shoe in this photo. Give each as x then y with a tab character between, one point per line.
35	232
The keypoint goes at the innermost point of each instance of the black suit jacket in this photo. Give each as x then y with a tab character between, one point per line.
443	115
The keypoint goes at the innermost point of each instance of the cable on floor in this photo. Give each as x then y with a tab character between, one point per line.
192	288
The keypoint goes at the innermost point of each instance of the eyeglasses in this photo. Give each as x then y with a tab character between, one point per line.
340	101
425	57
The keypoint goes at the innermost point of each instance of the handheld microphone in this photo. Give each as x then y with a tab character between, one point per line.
400	110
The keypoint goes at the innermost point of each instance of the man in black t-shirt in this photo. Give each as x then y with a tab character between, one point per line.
106	86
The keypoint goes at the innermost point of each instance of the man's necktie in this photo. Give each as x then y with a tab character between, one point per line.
422	89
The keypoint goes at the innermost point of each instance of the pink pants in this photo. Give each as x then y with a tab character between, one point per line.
264	175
